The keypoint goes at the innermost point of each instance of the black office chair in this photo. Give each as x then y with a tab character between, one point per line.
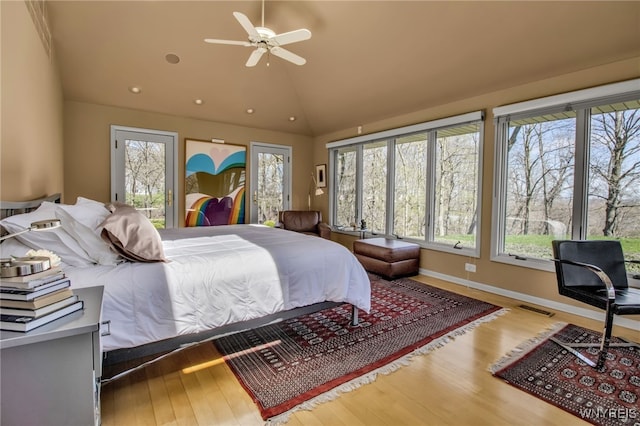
594	273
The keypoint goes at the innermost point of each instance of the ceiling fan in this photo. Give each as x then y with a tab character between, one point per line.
266	41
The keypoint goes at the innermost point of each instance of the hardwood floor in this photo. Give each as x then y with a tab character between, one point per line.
449	386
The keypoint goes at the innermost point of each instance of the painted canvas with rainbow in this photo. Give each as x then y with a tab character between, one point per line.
215	177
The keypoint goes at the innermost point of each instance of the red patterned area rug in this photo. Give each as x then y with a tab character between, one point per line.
547	371
298	363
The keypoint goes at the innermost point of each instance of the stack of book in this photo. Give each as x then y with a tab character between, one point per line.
30	301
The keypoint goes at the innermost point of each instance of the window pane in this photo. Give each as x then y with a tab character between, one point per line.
270	187
540	164
345	187
374	185
614	178
410	186
456	185
144	179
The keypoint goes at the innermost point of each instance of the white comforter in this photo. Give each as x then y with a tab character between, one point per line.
221	275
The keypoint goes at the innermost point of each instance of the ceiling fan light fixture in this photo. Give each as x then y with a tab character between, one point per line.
265	32
250	110
292	118
135	89
198	101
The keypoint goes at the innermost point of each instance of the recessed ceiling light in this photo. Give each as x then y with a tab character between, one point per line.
135	89
250	111
172	58
292	118
198	101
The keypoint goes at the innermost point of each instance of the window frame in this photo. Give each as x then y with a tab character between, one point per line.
580	102
430	129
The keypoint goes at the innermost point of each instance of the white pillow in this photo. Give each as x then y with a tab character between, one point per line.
56	240
13	248
82	221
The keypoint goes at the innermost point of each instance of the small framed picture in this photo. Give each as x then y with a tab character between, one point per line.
321	175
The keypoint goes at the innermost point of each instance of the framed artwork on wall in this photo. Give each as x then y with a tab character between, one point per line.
321	175
215	176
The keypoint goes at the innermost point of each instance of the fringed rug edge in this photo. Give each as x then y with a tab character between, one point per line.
370	377
524	348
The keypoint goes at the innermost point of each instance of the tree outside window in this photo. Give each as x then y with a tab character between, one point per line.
614	178
571	174
144	179
432	176
456	185
539	198
374	186
345	187
410	186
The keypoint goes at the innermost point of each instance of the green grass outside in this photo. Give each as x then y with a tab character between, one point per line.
539	246
158	223
541	242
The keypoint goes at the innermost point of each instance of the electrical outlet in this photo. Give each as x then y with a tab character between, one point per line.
469	267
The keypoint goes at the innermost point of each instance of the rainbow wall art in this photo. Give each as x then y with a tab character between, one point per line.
214	183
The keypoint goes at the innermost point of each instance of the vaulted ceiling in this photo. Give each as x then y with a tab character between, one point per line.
366	60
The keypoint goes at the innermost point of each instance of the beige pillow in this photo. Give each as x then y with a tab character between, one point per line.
131	234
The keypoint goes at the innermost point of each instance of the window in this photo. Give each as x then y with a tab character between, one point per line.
456	185
539	201
410	202
614	177
420	182
374	185
345	187
568	167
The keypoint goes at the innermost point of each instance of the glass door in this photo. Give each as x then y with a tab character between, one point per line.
143	172
270	182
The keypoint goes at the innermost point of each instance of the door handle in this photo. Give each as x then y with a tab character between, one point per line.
170	198
255	196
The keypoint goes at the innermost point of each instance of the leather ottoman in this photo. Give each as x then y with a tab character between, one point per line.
389	258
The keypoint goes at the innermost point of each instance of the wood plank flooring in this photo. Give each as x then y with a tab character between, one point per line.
449	386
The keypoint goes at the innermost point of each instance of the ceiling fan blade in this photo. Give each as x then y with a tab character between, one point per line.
247	25
292	37
255	57
289	56
217	41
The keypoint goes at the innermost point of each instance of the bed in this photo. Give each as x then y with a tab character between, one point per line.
196	283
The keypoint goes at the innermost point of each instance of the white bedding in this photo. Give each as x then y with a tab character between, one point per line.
221	275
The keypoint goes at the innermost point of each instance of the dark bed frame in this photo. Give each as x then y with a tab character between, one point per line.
10	208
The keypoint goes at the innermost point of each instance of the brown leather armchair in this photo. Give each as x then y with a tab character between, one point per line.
306	222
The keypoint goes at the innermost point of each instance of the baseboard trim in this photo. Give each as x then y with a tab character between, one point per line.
587	313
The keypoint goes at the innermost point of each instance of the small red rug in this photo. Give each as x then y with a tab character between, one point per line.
547	371
298	363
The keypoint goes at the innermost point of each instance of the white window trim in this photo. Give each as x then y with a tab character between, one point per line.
591	95
568	98
390	135
414	128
